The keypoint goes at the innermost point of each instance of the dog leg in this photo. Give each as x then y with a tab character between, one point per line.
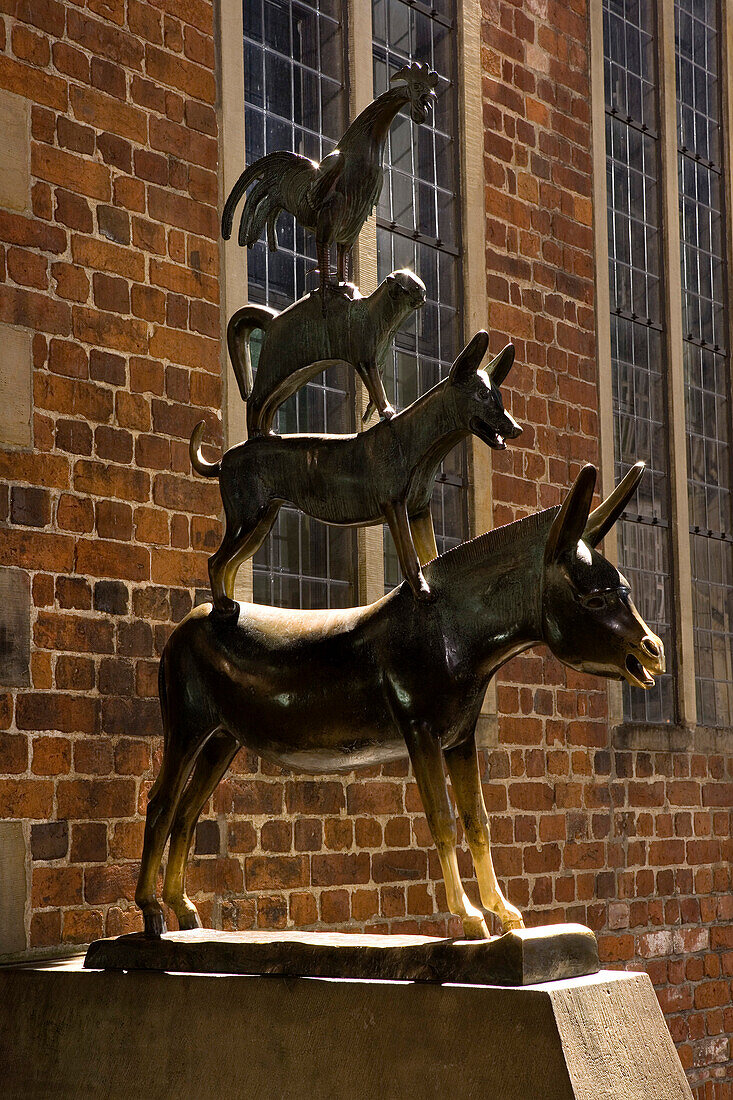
423	536
396	515
234	549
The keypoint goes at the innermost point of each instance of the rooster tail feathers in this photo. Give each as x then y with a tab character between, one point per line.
227	219
275	174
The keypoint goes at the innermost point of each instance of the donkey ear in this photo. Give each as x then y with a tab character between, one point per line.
570	521
602	518
499	367
469	360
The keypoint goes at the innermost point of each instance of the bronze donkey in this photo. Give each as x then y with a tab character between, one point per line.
330	691
302	341
385	473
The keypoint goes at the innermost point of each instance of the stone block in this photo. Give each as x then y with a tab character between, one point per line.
72	1032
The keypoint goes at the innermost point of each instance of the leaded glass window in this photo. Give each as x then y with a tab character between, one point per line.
295	98
418	226
706	361
637	330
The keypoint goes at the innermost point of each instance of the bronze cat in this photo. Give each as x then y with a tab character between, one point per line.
304	339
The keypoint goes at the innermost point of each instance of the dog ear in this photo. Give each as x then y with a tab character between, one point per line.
499	367
469	360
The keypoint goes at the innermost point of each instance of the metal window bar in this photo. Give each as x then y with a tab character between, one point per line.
295	98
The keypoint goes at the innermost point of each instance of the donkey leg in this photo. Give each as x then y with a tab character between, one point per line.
395	513
423	536
463	769
178	760
427	763
213	761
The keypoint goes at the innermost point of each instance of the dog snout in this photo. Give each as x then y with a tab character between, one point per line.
513	429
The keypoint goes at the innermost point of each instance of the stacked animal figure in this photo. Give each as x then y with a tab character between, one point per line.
417	662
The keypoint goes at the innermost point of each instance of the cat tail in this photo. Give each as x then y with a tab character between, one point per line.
239	330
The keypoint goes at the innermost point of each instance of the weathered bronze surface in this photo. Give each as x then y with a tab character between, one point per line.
332	199
305	338
385	473
327	691
521	957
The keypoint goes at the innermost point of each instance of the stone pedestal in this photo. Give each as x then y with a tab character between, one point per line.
68	1032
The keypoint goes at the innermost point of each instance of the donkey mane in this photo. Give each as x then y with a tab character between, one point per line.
494	542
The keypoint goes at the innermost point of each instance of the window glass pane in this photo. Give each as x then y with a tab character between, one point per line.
294	99
637	345
706	361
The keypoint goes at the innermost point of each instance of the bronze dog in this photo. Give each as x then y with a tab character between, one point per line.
385	473
303	340
326	691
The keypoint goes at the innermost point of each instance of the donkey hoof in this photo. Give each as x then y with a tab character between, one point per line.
474	928
189	920
154	920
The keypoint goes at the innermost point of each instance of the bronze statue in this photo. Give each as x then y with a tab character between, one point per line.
274	681
385	473
332	199
304	339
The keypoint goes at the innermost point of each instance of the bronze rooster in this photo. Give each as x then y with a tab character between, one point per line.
332	199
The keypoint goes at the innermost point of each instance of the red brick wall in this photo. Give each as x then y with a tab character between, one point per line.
116	270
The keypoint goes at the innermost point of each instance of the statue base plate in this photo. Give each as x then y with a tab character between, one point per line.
524	957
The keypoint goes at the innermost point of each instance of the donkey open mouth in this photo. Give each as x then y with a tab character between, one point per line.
640	674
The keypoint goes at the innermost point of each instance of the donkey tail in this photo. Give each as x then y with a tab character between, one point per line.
199	463
162	695
240	328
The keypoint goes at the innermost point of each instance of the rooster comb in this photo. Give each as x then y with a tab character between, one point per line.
416	70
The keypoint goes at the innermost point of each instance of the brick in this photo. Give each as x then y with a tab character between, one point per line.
100	38
50	840
39	86
56	886
71	282
28	233
33	310
85	177
13	753
30	506
72	633
339	869
96	798
192	79
26	798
